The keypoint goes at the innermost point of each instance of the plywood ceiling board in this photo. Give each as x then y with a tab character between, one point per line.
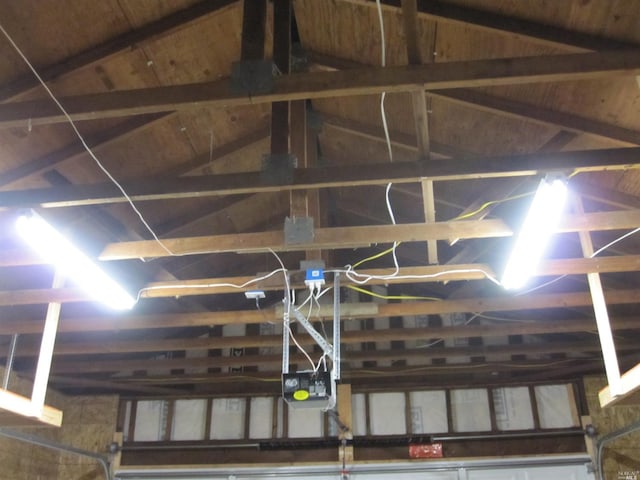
240	155
22	144
456	41
147	153
43	165
338	28
340	148
195	53
142	12
483	132
46	37
207	128
366	109
233	214
613	20
615	100
247	157
124	71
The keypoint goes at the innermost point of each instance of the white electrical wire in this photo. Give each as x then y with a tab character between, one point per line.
81	138
310	299
352	275
383	62
612	243
211	285
292	336
385	126
320	294
289	300
594	254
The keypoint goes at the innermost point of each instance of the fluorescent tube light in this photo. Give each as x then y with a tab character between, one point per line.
74	264
541	222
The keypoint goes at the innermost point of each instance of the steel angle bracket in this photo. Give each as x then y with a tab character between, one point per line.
277	169
252	77
298	230
332	351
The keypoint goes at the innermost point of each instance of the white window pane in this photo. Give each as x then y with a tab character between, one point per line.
305	422
227	418
429	412
387	413
513	408
358	414
189	417
470	410
261	417
149	417
555	406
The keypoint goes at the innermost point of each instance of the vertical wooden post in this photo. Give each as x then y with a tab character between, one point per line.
41	378
421	117
282	59
605	333
117	457
299	198
345	453
254	16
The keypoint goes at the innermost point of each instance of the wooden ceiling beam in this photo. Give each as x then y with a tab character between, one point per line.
420	117
213	286
337	237
343	237
162	188
75	149
601	194
105	385
425	354
360	310
507	107
359	336
198	164
543	116
397	138
409	377
485	203
300	86
254	18
547	34
127	41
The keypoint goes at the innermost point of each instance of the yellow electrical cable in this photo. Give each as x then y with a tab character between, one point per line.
391	297
488	204
377	255
459	217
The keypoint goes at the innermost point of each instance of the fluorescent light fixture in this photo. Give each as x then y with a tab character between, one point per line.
74	264
541	222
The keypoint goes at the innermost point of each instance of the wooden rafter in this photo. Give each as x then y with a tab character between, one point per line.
495	22
543	116
426	355
341	176
339	237
421	118
535	302
432	375
364	310
188	287
398	138
506	107
299	86
103	139
113	46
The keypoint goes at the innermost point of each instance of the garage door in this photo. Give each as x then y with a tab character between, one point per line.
535	468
